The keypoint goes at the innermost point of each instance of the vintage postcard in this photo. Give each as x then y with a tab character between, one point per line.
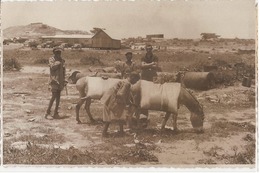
136	84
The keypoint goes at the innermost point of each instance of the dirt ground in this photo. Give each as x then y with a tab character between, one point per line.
29	138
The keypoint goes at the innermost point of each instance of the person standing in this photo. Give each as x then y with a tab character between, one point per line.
149	67
149	64
56	81
115	101
128	66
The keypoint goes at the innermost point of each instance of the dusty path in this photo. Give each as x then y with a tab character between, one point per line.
228	139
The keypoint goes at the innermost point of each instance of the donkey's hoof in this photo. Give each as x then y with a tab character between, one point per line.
92	121
105	135
121	134
176	130
200	131
78	122
163	129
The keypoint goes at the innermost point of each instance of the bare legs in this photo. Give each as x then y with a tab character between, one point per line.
55	96
57	104
107	117
121	128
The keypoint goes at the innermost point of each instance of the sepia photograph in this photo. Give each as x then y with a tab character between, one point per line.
167	84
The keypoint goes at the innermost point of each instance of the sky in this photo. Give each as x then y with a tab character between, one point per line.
124	19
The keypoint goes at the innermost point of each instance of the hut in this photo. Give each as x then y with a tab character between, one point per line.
102	40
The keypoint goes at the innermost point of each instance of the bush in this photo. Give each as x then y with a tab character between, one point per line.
91	61
11	64
195	43
41	61
33	44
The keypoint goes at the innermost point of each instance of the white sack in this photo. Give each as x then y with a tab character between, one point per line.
161	97
97	86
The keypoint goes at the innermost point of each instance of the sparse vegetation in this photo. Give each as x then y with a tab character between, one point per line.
230	119
37	155
43	151
91	61
244	157
11	64
213	152
41	61
226	128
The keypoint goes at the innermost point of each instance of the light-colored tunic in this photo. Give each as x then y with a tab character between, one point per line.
115	101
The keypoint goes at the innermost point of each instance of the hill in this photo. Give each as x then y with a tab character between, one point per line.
35	30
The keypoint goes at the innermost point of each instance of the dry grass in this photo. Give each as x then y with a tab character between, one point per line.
244	157
170	61
36	155
99	154
11	64
41	60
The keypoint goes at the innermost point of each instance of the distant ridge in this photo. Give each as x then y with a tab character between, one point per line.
36	30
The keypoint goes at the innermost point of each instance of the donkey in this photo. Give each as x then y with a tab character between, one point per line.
91	88
166	97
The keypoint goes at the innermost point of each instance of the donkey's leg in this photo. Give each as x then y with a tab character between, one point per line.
137	116
121	127
79	104
175	122
87	108
167	115
104	133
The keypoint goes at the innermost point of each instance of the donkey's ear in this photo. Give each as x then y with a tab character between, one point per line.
74	73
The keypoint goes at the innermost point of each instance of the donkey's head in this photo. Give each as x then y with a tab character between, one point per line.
197	119
73	77
196	109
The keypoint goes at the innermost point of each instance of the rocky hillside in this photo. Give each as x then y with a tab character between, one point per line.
35	30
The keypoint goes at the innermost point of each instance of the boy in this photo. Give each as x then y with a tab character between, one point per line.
57	81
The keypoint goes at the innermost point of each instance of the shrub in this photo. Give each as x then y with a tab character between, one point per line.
41	61
244	157
33	44
91	61
11	64
195	43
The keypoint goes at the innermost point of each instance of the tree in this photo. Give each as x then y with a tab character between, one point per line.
207	36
